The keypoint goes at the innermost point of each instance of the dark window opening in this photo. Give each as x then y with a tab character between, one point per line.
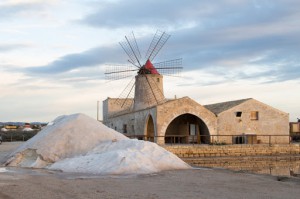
239	140
238	114
124	128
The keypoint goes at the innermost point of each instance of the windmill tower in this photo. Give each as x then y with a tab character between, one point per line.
148	81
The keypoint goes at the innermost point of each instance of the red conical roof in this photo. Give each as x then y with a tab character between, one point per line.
149	66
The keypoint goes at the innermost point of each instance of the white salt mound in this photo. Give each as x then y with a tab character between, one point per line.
4	129
78	143
65	137
27	129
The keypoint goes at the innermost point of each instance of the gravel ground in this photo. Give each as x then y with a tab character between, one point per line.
196	183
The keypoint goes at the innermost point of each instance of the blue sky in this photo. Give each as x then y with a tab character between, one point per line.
53	53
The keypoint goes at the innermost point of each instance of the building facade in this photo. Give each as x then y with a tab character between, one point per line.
184	120
152	117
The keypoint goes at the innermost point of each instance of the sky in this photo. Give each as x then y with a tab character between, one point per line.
54	53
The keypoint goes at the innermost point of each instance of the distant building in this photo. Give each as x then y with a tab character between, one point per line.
295	127
11	127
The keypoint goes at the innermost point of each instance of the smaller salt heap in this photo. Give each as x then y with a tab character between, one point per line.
78	143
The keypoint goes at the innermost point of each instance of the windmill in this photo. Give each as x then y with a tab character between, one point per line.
148	81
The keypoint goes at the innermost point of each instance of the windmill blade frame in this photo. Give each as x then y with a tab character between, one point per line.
169	67
116	72
131	49
125	94
159	96
158	41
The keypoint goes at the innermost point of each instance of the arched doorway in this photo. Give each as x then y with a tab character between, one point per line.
150	129
187	128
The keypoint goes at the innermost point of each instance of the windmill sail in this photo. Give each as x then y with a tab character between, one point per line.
116	72
131	49
148	81
124	99
158	41
170	67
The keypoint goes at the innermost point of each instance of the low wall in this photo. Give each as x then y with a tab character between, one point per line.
200	151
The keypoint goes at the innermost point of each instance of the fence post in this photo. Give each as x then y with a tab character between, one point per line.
193	139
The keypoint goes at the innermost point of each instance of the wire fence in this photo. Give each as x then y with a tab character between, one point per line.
13	136
184	139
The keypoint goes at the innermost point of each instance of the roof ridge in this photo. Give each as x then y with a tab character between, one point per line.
223	106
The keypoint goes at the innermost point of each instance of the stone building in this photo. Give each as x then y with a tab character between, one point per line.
250	121
153	117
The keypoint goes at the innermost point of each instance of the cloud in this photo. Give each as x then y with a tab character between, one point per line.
10	47
205	13
231	36
90	58
9	9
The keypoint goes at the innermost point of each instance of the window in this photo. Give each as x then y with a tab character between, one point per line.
254	115
295	128
124	128
238	114
245	139
157	79
239	139
192	129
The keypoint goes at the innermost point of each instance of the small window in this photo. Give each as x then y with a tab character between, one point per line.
254	115
124	128
157	79
238	114
239	139
192	129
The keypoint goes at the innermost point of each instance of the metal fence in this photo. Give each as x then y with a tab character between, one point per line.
13	136
220	139
186	139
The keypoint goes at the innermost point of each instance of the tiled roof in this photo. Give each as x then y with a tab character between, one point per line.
223	106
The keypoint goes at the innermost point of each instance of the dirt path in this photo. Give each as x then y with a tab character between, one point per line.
7	147
198	183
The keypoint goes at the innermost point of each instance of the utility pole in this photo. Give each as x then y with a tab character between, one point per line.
97	110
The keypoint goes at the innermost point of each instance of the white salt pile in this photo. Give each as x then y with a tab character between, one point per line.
78	143
27	129
4	129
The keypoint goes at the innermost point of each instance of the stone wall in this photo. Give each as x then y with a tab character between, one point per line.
113	106
135	122
196	151
148	91
273	165
269	121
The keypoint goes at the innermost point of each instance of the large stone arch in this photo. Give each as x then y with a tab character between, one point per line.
170	110
187	128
